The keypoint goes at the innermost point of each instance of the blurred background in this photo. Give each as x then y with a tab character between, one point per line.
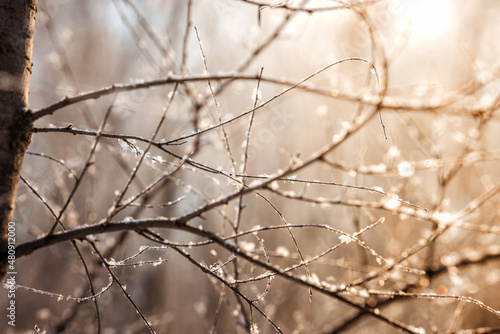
434	63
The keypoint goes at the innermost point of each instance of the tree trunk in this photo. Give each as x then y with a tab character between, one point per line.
17	25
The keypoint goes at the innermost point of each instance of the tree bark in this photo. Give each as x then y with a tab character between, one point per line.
17	24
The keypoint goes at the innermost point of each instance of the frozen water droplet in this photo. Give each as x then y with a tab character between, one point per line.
406	169
345	238
256	95
378	190
393	152
322	110
393	203
282	251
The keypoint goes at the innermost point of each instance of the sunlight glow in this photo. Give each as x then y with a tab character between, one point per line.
430	18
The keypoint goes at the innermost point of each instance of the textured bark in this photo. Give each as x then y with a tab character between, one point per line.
17	23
